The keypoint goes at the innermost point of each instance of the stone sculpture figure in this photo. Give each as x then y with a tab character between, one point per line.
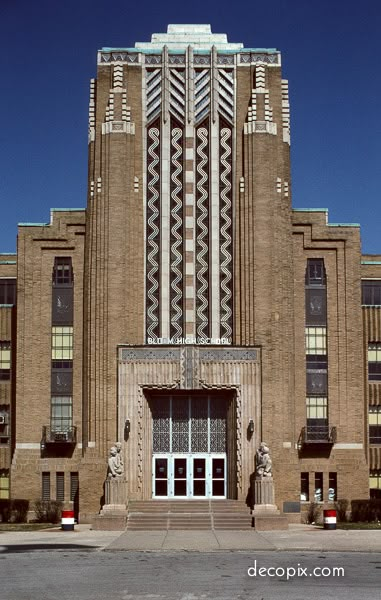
119	458
115	467
263	467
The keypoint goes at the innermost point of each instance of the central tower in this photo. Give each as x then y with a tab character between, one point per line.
188	218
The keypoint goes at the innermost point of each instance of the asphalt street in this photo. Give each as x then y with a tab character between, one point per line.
29	573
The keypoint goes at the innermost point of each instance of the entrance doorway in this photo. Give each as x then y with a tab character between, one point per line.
189	441
189	476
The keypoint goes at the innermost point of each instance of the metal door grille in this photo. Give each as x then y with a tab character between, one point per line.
186	424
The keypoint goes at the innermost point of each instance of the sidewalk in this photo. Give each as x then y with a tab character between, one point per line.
298	537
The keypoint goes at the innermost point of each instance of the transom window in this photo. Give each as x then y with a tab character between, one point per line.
316	340
62	343
189	424
5	360
371	292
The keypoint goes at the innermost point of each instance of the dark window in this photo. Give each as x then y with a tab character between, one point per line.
60	486
62	271
317	376
304	487
371	292
315	274
62	305
7	291
62	380
318	487
74	487
4	424
316	306
332	488
46	485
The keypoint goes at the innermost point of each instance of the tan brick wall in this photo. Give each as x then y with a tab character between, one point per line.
37	248
340	249
8	269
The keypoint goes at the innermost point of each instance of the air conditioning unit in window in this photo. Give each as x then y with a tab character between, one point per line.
3	419
60	436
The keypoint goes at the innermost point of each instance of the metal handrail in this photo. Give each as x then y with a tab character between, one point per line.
67	435
318	434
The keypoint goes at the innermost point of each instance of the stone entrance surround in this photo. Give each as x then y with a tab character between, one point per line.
230	370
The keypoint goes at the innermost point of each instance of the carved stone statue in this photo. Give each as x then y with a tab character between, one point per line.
263	466
119	458
115	465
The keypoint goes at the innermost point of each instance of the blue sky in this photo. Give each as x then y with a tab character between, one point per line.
330	53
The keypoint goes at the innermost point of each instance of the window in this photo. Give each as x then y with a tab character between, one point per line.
62	271
4	484
374	362
375	484
61	413
371	292
74	487
304	487
4	424
45	492
375	424
60	486
315	273
316	340
332	489
317	375
5	360
317	419
7	291
317	408
318	496
62	343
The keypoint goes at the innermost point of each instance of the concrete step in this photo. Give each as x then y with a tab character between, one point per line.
187	506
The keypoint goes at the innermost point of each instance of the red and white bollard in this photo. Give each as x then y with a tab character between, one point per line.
67	520
329	519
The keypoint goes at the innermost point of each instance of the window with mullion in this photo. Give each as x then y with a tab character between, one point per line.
5	360
4	484
62	271
375	484
374	362
61	413
371	292
7	291
375	424
316	340
62	343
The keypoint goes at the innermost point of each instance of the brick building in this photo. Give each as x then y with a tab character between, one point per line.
189	312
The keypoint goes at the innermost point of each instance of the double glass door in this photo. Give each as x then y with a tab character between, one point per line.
189	476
